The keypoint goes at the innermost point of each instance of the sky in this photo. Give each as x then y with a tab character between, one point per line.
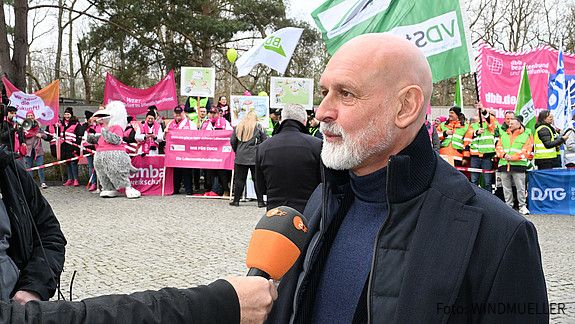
302	9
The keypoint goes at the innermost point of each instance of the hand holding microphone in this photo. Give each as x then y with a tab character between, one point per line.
276	243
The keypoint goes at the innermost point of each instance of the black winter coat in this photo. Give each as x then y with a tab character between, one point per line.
448	251
246	151
37	274
7	134
288	166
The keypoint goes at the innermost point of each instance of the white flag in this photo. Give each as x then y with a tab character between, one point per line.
274	51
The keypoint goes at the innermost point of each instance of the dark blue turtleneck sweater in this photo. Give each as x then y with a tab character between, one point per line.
348	263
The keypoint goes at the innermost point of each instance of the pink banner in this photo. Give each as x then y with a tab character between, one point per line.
45	102
148	179
199	149
499	74
162	94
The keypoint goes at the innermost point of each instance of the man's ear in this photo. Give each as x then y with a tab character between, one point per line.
411	101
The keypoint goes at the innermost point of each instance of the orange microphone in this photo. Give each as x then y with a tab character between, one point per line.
276	243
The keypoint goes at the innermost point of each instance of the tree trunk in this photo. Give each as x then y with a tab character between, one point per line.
71	58
20	43
59	41
71	73
85	76
5	64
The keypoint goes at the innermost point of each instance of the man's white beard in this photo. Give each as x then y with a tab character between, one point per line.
351	152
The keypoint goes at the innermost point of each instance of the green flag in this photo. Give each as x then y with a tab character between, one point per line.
458	101
525	106
436	27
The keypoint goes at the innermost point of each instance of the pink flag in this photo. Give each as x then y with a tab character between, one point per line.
162	94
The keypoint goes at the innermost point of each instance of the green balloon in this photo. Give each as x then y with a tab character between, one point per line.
232	55
263	94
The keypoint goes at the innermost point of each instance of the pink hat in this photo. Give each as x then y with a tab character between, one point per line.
30	112
442	118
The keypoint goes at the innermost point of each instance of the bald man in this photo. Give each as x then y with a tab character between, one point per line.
398	235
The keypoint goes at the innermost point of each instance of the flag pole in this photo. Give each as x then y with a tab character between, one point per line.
478	100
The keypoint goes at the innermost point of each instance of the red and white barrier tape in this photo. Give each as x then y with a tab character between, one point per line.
474	170
57	163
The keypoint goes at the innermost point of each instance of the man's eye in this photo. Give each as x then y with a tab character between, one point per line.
324	93
346	94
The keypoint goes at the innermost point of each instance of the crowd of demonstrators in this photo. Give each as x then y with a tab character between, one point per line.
181	121
288	164
509	148
245	139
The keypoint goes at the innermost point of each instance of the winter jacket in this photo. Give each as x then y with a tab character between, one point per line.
37	273
570	148
215	303
246	151
445	247
288	166
33	143
7	134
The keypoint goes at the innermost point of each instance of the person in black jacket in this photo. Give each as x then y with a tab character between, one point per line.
547	138
244	140
288	164
36	245
396	234
8	129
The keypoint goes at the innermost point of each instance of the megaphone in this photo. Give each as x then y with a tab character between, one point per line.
27	124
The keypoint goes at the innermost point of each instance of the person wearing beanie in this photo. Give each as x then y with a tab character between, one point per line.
514	152
71	132
480	137
151	135
451	134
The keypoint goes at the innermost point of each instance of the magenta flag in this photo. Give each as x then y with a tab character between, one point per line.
162	94
499	75
199	149
150	175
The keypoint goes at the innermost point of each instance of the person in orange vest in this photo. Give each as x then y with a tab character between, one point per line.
481	141
451	134
514	152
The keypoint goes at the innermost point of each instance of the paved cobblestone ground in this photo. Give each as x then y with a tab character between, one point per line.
121	246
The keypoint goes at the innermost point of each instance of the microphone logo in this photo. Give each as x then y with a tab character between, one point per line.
299	225
276	212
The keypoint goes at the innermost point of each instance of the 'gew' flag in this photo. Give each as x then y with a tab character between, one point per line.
525	106
274	51
557	99
458	101
436	27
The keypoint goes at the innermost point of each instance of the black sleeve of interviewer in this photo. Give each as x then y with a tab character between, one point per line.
214	303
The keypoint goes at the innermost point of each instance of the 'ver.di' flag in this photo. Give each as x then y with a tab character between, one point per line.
438	28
